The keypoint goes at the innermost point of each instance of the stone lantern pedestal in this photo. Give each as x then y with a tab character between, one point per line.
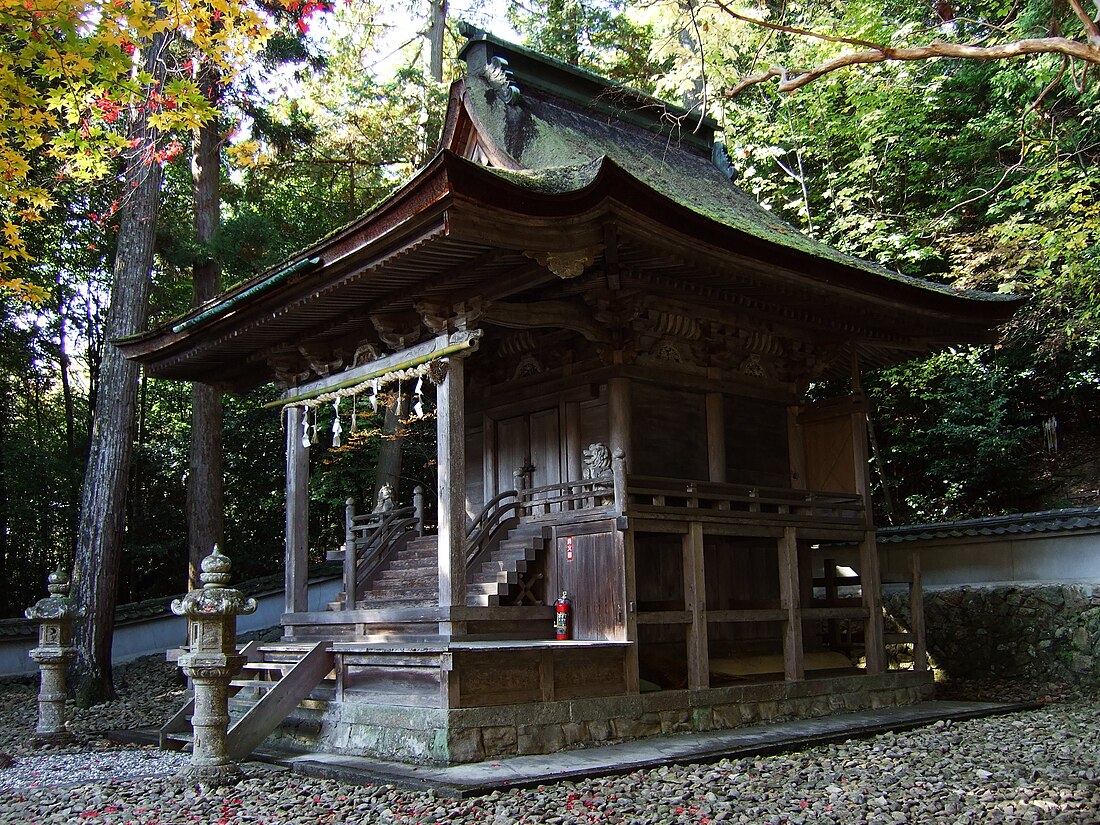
54	615
211	662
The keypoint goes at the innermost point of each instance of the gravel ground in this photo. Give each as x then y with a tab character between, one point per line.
1034	766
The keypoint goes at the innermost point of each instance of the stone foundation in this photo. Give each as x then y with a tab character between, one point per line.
1045	632
440	736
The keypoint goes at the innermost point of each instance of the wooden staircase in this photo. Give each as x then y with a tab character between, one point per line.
503	572
408	578
276	678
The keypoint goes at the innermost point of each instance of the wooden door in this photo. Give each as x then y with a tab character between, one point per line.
532	439
590	568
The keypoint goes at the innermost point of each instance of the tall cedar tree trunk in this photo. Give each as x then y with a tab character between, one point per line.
388	470
437	28
205	510
103	503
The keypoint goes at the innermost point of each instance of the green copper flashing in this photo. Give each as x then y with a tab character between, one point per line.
232	301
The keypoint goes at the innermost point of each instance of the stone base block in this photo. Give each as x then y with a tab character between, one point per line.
450	736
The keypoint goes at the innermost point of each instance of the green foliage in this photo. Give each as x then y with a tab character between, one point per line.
954	433
597	35
348	471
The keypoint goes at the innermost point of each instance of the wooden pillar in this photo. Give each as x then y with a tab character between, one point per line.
789	592
631	591
716	436
916	613
695	595
573	465
297	514
869	575
796	449
873	639
451	492
618	414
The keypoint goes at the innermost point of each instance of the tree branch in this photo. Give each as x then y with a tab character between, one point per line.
877	54
1092	30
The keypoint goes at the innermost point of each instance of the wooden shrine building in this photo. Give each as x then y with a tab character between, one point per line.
617	344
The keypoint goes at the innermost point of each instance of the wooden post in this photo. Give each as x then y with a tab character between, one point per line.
297	514
873	640
350	560
796	449
630	665
451	493
716	436
869	576
418	509
695	595
618	414
916	613
793	669
618	481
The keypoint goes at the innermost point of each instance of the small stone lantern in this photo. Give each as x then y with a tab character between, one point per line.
211	662
54	615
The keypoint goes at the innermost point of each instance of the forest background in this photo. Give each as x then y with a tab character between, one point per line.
972	172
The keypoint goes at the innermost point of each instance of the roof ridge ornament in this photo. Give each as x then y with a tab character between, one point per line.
499	77
720	157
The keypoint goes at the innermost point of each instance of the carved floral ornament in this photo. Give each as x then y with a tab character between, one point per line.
567	264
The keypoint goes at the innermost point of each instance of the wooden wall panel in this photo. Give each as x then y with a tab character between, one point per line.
742	574
405	686
490	678
580	674
659	571
668	432
830	460
756	442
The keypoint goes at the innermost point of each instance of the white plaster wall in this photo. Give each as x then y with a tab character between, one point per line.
156	635
1000	559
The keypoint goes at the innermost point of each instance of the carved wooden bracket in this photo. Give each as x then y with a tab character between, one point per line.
322	359
398	331
558	314
566	264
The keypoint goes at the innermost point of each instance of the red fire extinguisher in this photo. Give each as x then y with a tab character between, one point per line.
562	621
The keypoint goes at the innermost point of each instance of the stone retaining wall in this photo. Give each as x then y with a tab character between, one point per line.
439	736
1045	631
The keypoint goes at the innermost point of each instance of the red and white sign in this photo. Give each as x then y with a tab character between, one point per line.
569	549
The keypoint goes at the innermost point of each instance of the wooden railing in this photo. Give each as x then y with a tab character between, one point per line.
651	495
494	517
370	538
605	492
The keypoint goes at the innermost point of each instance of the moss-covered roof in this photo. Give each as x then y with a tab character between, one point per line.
560	146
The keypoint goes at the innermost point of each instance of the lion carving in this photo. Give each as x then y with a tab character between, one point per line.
384	503
597	462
